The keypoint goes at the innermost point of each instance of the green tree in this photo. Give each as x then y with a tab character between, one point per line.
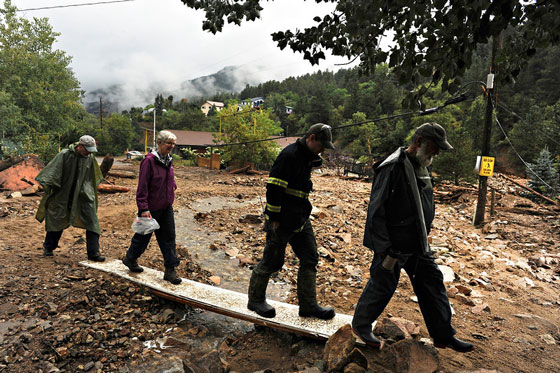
361	141
116	135
244	126
433	40
528	135
543	176
459	162
36	79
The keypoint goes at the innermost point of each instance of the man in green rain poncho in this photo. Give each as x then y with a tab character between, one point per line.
70	181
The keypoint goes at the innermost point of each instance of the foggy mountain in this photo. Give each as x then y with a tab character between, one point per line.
119	97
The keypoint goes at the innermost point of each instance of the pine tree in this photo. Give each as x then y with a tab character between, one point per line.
544	177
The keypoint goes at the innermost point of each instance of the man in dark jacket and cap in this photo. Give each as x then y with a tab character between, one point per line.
400	215
70	181
287	221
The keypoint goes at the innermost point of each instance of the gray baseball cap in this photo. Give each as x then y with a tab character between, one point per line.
322	133
436	133
88	143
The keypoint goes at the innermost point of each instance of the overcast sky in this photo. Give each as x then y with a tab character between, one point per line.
143	41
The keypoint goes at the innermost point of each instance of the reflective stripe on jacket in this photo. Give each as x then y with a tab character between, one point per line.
289	185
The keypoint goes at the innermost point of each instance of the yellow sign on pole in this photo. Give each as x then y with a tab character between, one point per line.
486	166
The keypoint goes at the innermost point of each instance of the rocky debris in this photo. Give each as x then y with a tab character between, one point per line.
79	311
338	349
210	362
406	355
396	328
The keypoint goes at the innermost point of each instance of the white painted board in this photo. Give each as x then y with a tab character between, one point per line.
226	302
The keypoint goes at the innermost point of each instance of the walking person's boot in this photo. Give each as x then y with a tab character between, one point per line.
257	296
171	276
132	264
454	343
92	246
307	296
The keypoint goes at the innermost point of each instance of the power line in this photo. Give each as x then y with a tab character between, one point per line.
542	131
519	155
451	101
76	5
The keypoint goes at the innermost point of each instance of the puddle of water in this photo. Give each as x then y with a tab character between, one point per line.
198	239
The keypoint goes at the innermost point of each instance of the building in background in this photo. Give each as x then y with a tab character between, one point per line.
206	106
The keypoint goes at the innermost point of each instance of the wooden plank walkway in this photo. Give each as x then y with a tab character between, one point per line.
225	302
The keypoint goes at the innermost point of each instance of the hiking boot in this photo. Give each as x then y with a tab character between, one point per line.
262	309
320	312
96	258
47	252
455	344
132	265
171	276
368	338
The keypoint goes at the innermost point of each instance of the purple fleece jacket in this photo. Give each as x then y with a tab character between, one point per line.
156	185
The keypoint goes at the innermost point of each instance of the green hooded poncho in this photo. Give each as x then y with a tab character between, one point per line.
70	181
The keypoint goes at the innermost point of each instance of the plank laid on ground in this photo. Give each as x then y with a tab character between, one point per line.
225	302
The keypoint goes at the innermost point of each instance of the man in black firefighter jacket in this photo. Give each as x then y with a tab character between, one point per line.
287	221
400	215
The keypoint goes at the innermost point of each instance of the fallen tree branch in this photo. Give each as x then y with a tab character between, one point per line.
530	190
105	188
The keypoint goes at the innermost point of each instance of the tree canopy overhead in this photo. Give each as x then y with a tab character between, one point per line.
432	40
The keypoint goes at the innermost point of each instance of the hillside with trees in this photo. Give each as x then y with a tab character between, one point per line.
41	106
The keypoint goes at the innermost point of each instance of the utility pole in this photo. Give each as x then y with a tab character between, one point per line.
101	111
483	180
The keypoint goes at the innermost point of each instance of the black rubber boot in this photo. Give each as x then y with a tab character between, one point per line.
96	257
257	296
47	252
307	296
455	344
132	265
171	276
367	337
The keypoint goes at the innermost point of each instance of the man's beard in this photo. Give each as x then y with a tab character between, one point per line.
422	157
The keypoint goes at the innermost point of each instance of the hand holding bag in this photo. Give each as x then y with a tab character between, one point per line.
142	225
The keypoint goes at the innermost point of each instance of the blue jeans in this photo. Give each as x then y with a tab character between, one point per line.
165	236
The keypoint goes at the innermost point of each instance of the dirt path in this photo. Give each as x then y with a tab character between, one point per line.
55	314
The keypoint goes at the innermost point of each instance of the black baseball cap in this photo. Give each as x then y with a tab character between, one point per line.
436	133
322	133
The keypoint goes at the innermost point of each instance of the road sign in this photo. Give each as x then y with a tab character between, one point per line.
484	166
487	166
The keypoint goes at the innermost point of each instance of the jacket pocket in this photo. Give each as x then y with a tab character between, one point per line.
404	235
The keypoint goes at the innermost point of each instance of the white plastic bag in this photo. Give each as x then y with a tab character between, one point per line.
142	225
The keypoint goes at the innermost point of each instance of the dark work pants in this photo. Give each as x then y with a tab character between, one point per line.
304	246
165	236
92	242
427	282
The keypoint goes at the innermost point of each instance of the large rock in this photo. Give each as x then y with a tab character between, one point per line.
396	328
167	364
208	363
338	348
405	356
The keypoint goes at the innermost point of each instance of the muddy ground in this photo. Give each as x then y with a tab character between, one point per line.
58	316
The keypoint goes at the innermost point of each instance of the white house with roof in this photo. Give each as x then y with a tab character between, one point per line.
206	106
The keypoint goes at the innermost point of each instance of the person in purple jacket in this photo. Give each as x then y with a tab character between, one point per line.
154	197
